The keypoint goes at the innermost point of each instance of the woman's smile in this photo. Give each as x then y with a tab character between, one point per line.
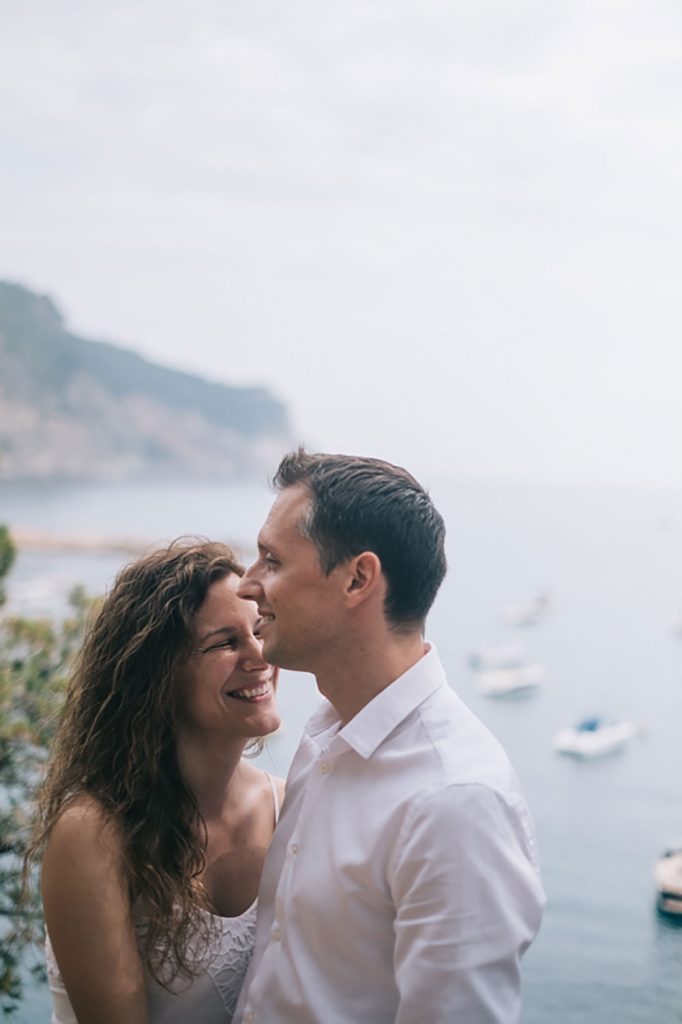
255	693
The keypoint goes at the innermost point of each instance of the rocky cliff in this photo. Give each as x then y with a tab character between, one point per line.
71	408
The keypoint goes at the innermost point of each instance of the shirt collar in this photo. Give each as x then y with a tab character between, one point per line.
370	727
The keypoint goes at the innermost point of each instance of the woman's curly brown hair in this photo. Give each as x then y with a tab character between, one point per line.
116	742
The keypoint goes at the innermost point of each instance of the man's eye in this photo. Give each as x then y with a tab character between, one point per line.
269	560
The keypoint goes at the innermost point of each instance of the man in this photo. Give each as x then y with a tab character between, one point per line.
401	884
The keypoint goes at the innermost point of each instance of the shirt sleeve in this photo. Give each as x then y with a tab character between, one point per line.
468	901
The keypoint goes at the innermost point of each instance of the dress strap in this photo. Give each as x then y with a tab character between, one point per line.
275	795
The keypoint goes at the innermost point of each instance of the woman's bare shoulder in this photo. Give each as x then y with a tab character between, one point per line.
88	915
84	872
260	781
82	827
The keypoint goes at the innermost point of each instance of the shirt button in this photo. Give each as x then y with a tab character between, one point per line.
249	1017
324	768
276	932
294	848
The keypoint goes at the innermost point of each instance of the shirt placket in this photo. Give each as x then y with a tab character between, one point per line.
318	778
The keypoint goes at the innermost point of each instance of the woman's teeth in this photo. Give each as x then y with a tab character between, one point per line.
251	693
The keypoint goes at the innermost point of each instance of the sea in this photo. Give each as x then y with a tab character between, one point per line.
609	562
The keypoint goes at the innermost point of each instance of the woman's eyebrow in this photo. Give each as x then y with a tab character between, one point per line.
214	632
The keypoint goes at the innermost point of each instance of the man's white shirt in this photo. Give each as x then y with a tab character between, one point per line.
402	881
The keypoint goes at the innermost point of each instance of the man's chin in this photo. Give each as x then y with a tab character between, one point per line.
276	654
270	653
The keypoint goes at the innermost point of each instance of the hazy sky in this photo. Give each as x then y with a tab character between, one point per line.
448	233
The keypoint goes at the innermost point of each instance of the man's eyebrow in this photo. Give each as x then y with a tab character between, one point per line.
229	630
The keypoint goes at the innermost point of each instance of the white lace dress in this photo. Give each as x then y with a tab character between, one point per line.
211	998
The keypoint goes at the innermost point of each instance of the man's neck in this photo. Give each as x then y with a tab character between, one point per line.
355	679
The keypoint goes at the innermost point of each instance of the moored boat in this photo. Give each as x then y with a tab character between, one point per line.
501	682
528	614
507	656
668	878
594	737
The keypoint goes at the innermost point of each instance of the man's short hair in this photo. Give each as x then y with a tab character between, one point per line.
362	504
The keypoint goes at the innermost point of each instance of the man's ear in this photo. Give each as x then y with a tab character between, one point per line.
364	576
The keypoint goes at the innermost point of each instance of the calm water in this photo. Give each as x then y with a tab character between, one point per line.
611	561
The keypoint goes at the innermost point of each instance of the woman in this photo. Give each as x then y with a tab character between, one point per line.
153	827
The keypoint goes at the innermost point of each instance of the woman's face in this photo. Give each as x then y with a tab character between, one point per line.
225	686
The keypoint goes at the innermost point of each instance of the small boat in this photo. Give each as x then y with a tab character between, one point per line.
529	614
668	878
594	737
509	656
501	682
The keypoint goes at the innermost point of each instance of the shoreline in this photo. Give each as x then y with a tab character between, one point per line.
96	544
41	540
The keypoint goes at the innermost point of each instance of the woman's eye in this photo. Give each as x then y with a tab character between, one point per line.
228	644
269	560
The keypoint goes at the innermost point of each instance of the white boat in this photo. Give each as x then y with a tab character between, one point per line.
528	614
668	878
500	682
594	737
509	656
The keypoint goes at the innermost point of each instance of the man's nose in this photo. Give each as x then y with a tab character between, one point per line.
248	587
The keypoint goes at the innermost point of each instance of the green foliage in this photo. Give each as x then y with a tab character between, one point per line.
7	555
35	655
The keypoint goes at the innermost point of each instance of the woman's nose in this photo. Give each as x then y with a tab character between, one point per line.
253	656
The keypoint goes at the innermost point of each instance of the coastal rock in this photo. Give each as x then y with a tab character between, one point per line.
72	408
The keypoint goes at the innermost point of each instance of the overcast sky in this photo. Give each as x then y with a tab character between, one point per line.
448	233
